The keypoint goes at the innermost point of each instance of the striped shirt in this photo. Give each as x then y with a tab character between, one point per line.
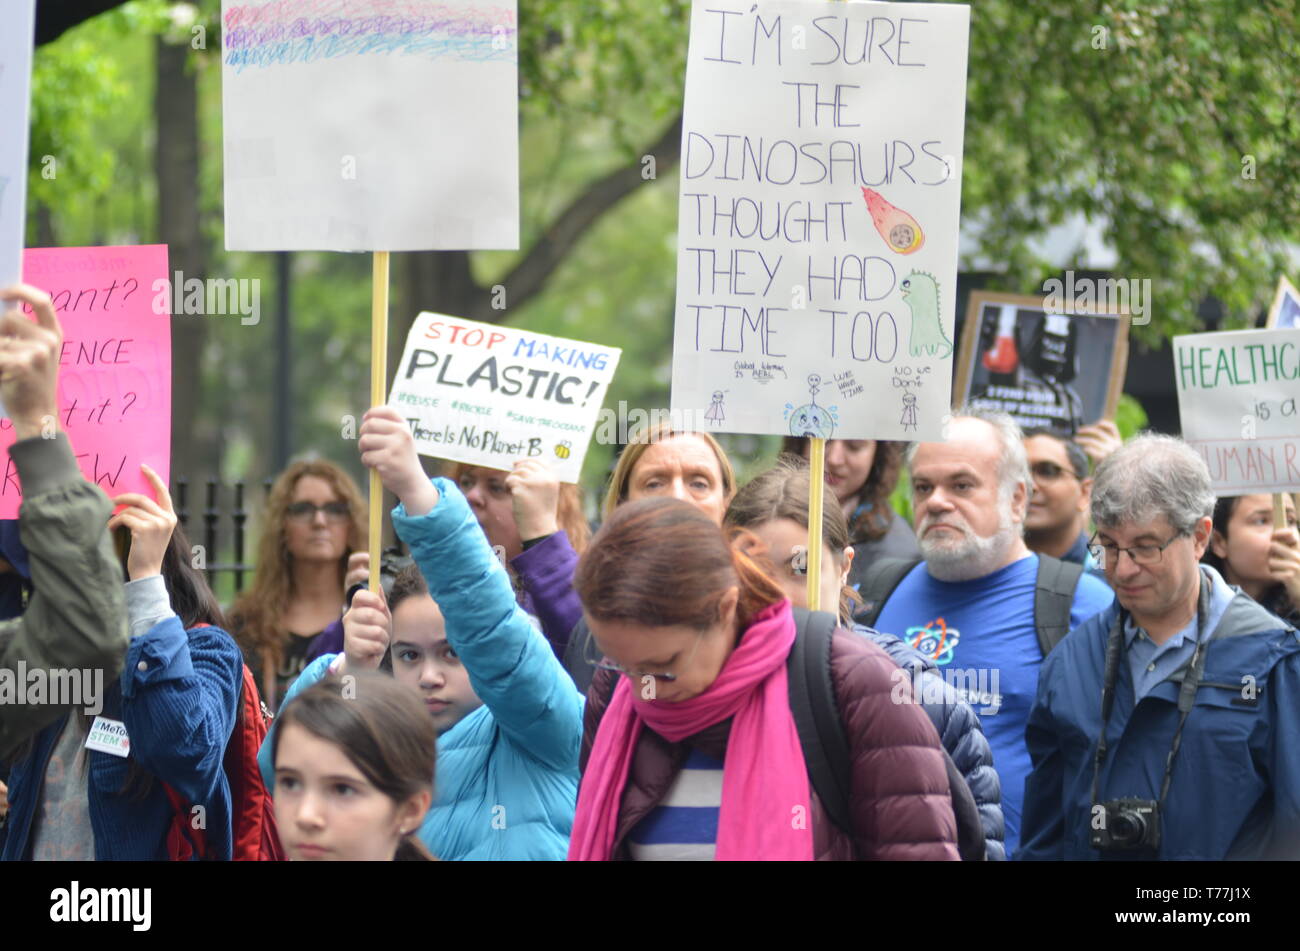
684	826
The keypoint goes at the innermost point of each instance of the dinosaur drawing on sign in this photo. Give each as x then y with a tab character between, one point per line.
921	293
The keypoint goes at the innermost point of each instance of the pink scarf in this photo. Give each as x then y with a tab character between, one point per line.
765	797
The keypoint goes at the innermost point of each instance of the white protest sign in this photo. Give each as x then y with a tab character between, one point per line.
17	26
1237	394
370	125
818	216
488	395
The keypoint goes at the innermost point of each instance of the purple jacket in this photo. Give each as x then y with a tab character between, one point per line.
545	571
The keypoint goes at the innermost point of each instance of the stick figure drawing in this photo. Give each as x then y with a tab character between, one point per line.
715	413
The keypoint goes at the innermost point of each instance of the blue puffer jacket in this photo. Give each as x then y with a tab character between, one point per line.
962	736
507	774
1235	789
177	697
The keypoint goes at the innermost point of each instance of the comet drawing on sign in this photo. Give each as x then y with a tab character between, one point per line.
900	230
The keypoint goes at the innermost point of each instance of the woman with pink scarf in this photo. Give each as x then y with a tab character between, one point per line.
693	753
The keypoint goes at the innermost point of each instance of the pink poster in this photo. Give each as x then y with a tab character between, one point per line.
115	370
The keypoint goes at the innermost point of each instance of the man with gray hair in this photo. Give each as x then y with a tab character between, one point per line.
981	605
1168	726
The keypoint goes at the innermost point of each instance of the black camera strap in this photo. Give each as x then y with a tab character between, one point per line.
1186	693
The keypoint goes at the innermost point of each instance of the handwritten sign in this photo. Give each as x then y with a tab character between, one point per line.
488	395
370	125
1237	395
115	374
818	214
17	19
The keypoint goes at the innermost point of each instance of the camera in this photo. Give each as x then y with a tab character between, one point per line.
1127	825
391	563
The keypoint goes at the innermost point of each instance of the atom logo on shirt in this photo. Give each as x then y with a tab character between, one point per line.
935	640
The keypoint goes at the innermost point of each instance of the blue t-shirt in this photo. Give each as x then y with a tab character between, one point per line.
981	635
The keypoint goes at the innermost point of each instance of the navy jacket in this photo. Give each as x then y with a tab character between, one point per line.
1235	791
962	736
177	697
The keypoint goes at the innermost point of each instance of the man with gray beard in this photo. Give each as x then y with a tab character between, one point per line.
981	605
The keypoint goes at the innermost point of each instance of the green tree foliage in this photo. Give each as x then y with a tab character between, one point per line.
1149	118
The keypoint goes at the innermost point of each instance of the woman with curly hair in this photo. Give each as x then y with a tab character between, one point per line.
863	473
315	519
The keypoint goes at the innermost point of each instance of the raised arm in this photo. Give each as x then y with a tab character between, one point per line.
76	618
548	562
510	665
179	689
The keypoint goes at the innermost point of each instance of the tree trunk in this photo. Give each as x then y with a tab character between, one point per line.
176	162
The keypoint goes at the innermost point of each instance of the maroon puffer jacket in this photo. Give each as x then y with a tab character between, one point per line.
900	801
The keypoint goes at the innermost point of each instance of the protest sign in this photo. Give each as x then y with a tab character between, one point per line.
17	18
488	395
370	125
115	369
1285	312
1041	367
1237	395
818	214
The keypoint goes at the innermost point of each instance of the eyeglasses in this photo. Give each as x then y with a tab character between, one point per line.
306	511
1050	471
1141	554
593	656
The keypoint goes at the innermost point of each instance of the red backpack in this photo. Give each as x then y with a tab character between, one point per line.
254	837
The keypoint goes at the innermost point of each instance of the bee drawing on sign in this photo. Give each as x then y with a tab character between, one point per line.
564	449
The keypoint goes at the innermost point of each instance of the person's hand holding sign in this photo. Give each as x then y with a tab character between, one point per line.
29	362
535	497
387	447
365	631
1284	561
151	524
1099	440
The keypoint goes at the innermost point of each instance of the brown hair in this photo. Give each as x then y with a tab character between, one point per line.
256	614
408	584
874	521
662	562
642	438
782	492
381	727
568	511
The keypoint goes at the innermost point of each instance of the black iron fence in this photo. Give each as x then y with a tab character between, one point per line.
221	528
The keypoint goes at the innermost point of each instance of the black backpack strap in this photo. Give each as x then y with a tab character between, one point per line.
1053	598
817	715
884	575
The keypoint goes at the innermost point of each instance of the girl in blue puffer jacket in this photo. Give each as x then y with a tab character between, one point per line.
774	507
509	717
